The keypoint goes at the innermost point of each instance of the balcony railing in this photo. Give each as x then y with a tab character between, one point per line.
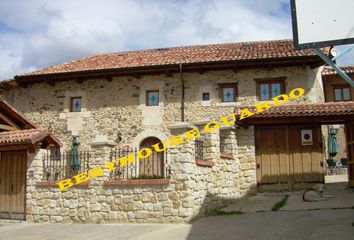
155	166
61	165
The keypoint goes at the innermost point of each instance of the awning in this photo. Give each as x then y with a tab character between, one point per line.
330	112
16	131
29	137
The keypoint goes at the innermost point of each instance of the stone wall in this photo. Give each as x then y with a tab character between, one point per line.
116	109
191	191
118	106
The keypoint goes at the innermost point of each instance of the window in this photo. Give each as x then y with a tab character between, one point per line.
152	98
228	92
222	143
268	89
342	93
75	104
206	96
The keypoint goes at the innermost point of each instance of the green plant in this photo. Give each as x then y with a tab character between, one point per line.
144	176
220	212
281	203
353	224
252	194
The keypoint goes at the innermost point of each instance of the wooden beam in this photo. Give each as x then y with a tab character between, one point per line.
152	70
7	128
14	147
340	119
79	80
22	84
270	66
108	78
168	73
8	121
50	82
201	71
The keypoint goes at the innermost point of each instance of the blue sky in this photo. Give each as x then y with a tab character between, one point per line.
38	33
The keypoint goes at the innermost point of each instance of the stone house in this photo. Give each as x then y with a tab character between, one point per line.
106	105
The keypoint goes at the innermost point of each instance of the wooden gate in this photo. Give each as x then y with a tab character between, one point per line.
12	184
283	161
271	155
152	166
350	143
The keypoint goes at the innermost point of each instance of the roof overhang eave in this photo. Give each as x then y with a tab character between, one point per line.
314	61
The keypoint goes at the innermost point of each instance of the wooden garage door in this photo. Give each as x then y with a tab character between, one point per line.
271	155
282	160
350	142
12	184
306	160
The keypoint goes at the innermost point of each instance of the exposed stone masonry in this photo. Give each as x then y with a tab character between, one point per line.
114	109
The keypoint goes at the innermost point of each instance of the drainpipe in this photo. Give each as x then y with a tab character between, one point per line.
182	86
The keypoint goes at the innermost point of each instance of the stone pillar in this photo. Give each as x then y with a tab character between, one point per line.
247	156
100	197
182	167
34	173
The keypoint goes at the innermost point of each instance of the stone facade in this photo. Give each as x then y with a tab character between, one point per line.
119	106
114	114
190	192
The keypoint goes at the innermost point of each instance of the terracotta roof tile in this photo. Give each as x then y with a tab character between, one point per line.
305	110
175	55
29	136
21	136
330	71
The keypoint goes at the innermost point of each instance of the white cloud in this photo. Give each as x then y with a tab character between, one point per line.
40	33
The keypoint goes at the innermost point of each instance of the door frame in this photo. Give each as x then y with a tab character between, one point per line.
349	133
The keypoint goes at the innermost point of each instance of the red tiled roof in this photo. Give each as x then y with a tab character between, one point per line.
330	71
228	52
305	110
29	136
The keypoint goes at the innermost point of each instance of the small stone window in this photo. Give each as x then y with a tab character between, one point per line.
152	98
75	104
222	143
206	96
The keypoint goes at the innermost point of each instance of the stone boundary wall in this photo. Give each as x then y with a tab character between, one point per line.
190	193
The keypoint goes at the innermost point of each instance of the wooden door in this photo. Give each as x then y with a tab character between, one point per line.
306	160
271	155
350	143
12	184
282	160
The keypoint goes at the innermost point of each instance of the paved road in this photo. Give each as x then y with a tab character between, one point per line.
315	224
